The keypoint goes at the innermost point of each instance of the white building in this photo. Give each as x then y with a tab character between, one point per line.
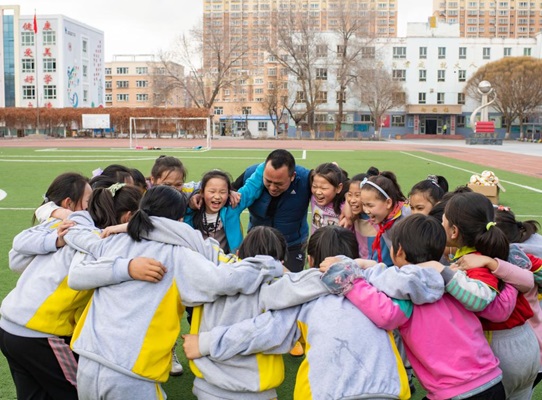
434	64
62	65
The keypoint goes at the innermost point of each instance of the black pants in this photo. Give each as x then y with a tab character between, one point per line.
42	368
296	258
495	392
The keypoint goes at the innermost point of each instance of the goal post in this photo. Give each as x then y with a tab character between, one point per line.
192	132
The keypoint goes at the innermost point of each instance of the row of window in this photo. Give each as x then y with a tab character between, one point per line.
29	92
28	65
126	84
126	70
28	38
124	97
400	52
400	75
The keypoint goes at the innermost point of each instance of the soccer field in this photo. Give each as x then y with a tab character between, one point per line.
27	172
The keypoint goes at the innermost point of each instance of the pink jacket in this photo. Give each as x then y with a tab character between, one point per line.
444	342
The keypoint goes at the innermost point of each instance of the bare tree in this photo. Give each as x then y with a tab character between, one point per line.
518	84
352	32
379	91
296	50
211	64
276	102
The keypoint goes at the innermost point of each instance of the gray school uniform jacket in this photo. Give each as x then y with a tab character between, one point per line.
132	326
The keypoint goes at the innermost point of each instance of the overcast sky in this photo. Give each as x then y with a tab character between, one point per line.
145	27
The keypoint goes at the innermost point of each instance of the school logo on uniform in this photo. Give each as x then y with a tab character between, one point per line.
293	191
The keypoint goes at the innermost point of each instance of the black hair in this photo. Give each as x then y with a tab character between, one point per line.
280	158
264	240
515	231
421	237
118	172
199	214
335	176
330	241
158	201
68	185
102	181
387	181
139	179
372	171
432	188
471	212
358	178
106	208
167	164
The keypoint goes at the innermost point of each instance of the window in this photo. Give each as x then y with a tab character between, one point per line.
271	72
341	96
108	71
85	95
259	90
397	120
142	84
108	85
108	97
49	65
461	98
441	75
462	75
49	38
398	98
85	70
49	92
460	121
28	64
122	97
262	126
321	97
321	50
486	53
142	70
122	84
341	50
462	53
29	92
398	74
142	97
27	38
122	70
399	52
421	98
440	98
442	52
84	46
507	52
367	52
423	52
422	75
527	51
300	97
218	111
246	110
321	74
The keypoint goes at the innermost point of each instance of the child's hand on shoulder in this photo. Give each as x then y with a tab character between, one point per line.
328	262
235	198
146	269
110	230
61	230
61	213
364	264
470	261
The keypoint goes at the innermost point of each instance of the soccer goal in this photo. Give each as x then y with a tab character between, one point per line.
193	133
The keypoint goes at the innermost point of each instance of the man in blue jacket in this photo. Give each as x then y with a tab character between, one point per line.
284	203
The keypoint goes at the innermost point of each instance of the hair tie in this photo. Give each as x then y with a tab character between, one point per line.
490	225
433	179
366	181
45	198
146	210
97	172
114	188
503	208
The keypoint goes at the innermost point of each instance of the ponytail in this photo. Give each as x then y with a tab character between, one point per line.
473	215
158	201
515	231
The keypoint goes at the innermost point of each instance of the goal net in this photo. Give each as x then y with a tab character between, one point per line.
194	133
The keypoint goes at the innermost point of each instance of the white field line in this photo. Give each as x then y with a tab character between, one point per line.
472	172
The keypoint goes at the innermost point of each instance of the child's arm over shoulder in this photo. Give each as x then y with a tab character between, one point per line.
418	284
252	189
500	309
84	236
474	294
273	332
39	239
292	289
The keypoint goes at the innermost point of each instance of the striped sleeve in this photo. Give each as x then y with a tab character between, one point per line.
474	294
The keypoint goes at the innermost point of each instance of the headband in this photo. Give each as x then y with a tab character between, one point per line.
114	188
365	181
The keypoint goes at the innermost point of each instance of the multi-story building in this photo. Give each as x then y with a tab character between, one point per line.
502	19
138	81
58	62
246	26
433	64
9	39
